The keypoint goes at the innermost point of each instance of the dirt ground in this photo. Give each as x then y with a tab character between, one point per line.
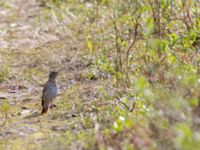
29	49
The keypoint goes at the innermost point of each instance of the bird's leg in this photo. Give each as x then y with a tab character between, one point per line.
52	105
49	106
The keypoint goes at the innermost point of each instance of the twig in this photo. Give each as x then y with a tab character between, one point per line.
130	47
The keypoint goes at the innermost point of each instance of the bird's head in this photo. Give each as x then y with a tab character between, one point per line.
53	75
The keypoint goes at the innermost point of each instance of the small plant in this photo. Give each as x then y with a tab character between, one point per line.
4	71
4	110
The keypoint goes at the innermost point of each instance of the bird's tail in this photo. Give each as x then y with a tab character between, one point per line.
44	109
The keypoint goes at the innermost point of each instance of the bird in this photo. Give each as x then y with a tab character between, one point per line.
49	92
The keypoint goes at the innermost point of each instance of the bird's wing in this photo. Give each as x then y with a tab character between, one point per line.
43	92
45	88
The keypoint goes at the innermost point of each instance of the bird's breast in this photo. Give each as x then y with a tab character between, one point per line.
50	92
